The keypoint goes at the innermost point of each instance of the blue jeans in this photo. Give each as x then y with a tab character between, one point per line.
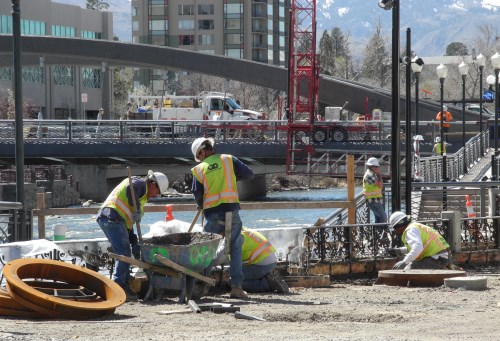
117	235
378	211
255	280
214	223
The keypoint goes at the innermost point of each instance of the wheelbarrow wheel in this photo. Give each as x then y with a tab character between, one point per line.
200	289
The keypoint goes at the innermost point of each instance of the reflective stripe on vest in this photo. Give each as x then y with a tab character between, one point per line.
432	241
255	248
216	174
371	190
118	201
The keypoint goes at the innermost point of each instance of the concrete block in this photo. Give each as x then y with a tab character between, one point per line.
467	283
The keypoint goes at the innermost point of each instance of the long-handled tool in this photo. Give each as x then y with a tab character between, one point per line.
132	193
195	219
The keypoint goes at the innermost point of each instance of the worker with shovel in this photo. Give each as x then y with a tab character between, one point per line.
216	193
124	207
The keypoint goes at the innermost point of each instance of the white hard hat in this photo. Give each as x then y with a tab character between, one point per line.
373	161
398	217
437	139
160	178
196	146
445	108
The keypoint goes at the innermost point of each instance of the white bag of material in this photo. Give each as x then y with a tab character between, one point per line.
162	228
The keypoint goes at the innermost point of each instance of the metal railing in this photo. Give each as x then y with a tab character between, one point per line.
10	220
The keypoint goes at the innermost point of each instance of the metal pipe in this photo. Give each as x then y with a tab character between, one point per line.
395	146
481	109
408	125
463	124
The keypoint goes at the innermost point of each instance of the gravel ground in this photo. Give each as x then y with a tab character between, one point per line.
351	310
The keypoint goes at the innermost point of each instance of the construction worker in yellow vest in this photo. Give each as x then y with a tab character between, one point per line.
372	189
438	146
426	248
259	260
117	216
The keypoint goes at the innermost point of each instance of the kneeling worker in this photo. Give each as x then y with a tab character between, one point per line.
426	248
259	260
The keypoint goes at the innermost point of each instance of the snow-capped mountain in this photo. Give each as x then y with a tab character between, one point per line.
434	23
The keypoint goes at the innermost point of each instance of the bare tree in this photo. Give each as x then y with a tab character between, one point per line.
97	5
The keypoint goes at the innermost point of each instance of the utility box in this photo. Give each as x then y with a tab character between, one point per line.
332	113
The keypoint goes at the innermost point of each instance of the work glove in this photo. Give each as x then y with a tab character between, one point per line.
399	265
137	216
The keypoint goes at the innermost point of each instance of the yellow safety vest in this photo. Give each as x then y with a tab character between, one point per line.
438	147
371	190
167	103
118	201
255	248
432	241
216	174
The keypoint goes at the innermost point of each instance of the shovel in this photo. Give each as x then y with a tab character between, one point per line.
195	219
132	193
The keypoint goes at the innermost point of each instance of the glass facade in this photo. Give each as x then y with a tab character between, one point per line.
32	74
63	31
91	78
28	27
63	76
91	34
233	29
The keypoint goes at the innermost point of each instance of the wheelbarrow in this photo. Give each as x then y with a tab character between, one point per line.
176	261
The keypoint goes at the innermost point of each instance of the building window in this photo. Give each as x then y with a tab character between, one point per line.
63	31
234	53
186	9
206	39
205	9
135	26
207	51
32	27
32	74
234	38
159	10
63	75
186	39
186	24
91	35
135	11
205	24
233	8
5	74
158	25
5	24
91	78
233	24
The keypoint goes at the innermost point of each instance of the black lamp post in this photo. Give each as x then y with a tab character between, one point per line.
416	66
481	62
463	68
495	62
395	146
442	72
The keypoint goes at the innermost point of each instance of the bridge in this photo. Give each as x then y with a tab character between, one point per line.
332	91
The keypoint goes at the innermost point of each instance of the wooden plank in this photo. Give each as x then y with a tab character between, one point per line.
178	311
145	265
180	268
317	281
194	307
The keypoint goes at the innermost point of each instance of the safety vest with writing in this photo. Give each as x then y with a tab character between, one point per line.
118	201
438	147
432	241
216	174
371	190
255	248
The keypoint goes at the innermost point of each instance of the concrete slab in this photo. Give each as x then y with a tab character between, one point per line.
468	283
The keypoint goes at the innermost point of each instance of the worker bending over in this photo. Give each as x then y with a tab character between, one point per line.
426	248
117	216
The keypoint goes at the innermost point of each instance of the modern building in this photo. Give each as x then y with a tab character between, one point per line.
60	91
249	29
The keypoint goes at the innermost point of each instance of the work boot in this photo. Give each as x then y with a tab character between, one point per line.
238	293
276	284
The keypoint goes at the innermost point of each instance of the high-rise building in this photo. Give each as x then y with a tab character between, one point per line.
249	29
60	91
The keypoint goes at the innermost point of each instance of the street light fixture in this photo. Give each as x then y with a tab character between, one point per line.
395	146
442	72
481	62
495	62
463	68
416	65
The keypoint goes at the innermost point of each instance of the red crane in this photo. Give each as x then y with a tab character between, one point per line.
303	84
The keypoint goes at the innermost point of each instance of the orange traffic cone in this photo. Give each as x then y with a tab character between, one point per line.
470	214
169	215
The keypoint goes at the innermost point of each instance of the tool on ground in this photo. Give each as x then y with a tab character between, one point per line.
245	316
195	219
219	308
134	203
194	307
178	311
228	224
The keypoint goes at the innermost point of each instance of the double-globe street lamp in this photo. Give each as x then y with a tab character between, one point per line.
463	68
481	62
395	146
442	72
495	62
416	65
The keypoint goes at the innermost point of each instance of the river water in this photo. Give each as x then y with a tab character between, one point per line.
84	226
